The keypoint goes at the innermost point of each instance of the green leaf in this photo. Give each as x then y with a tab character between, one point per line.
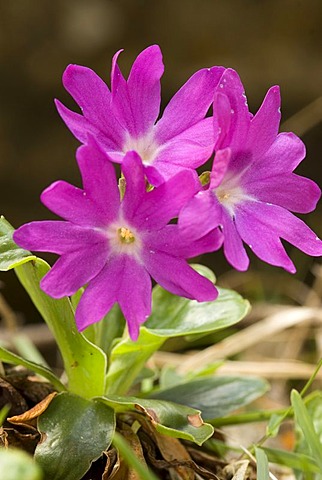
10	254
262	464
215	396
274	424
297	461
129	456
75	432
85	364
4	413
108	329
127	360
305	422
169	418
27	349
174	316
45	372
18	465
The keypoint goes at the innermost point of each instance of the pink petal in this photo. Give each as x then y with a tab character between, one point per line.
265	124
134	296
163	203
99	180
122	280
176	276
94	99
101	294
231	86
191	148
219	167
137	102
189	105
283	157
221	119
145	88
173	241
262	225
57	237
81	128
73	270
233	246
135	190
72	204
290	191
200	215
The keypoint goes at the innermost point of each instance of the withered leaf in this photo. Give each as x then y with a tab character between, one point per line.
30	416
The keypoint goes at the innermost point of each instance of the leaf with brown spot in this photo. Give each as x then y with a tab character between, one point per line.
195	420
168	418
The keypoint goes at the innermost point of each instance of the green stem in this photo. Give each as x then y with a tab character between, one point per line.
250	417
84	363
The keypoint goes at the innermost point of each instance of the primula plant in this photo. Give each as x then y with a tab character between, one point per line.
122	284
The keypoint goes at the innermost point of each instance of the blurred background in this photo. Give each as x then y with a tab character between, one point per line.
267	41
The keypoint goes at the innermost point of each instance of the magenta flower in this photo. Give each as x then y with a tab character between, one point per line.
124	119
116	245
252	186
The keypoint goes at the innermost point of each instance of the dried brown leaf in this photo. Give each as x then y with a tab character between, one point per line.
30	416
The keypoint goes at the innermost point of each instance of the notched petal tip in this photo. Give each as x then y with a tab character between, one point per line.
73	69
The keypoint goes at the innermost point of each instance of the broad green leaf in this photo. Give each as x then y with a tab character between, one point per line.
85	364
305	422
10	254
168	418
297	461
169	376
45	372
129	456
127	360
174	316
215	396
75	432
262	464
18	465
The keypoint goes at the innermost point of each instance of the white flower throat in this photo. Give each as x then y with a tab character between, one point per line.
230	193
123	239
145	146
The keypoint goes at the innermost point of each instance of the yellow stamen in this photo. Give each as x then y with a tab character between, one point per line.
125	235
223	196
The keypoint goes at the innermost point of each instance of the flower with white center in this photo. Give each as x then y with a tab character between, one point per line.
253	189
125	118
116	245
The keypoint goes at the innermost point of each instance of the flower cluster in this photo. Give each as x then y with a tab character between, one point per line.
114	241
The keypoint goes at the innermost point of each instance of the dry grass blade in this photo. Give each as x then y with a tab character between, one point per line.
305	119
251	335
272	369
